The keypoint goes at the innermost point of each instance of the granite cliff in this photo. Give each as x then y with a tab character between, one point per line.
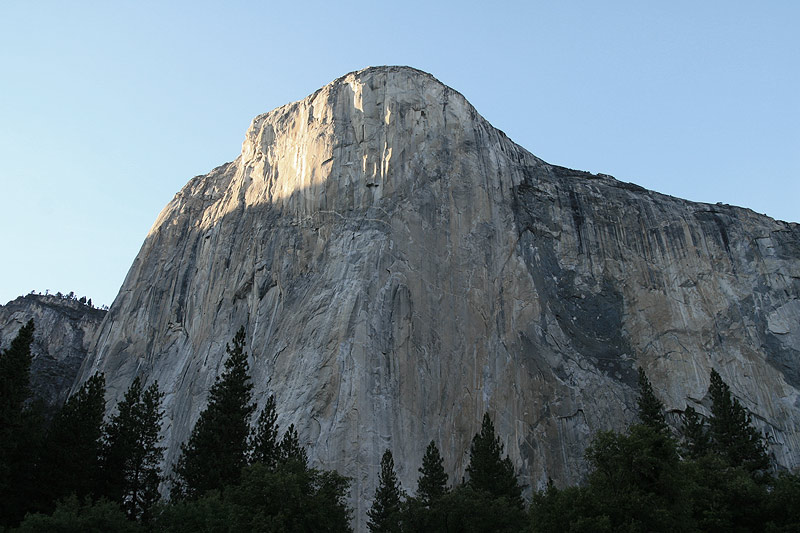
64	331
401	267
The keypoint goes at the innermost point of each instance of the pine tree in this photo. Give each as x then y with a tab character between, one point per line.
70	462
636	481
15	376
291	452
432	483
695	435
384	515
264	443
651	410
17	427
732	435
488	471
217	448
132	456
426	511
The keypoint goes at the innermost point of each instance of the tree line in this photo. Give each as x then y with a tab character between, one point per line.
711	475
72	470
71	296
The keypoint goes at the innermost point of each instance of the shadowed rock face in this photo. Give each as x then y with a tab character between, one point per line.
401	267
61	340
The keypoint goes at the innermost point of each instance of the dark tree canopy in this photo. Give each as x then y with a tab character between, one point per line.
425	511
782	508
264	444
432	483
15	375
75	515
639	482
723	497
217	448
695	434
132	455
269	500
385	513
636	480
651	410
231	477
488	470
732	435
18	429
292	453
71	453
467	510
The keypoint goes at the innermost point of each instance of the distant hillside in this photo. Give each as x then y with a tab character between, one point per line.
64	329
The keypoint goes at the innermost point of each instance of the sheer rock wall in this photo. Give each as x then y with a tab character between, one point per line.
401	267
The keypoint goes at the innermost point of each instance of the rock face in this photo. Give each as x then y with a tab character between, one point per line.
64	331
401	267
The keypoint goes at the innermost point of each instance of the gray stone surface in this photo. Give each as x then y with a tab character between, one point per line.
401	267
64	330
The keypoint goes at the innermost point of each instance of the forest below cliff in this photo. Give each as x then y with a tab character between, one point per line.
73	469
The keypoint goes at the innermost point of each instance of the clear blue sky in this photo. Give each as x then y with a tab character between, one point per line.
108	108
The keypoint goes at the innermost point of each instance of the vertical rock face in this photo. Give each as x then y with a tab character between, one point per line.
401	267
64	331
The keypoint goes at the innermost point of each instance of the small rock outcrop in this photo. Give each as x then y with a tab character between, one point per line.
64	331
402	267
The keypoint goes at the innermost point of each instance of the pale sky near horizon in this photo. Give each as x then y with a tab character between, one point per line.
108	108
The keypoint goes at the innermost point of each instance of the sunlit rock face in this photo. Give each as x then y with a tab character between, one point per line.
402	267
63	332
